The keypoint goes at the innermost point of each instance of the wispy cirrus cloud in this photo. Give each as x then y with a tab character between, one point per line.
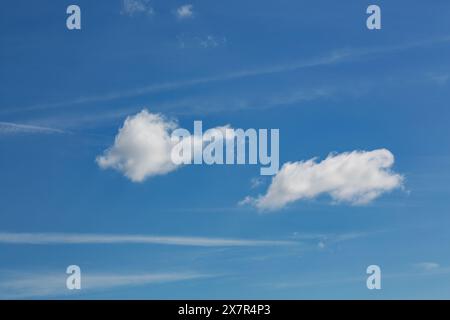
174	85
9	128
206	42
342	279
427	266
15	285
133	7
203	105
333	57
73	238
440	79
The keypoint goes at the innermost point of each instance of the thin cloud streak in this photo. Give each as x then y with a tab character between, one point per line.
334	57
66	238
13	285
15	128
197	106
362	279
169	86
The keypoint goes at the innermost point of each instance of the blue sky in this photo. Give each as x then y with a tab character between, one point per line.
311	69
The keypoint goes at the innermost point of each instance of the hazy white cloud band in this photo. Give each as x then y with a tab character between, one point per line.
68	238
13	285
8	128
333	57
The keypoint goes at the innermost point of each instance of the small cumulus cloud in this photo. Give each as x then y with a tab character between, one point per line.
141	148
185	11
356	177
132	7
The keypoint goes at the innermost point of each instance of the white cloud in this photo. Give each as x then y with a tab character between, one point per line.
333	57
54	284
427	266
205	42
185	11
14	128
211	41
356	177
141	148
68	238
132	7
256	182
439	79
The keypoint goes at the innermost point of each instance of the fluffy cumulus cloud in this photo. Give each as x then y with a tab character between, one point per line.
185	11
356	177
142	147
